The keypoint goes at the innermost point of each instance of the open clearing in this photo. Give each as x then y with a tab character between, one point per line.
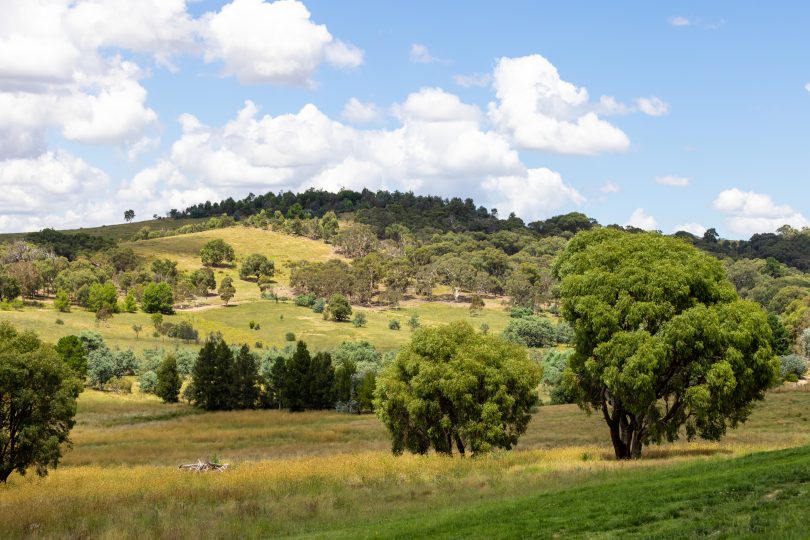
331	475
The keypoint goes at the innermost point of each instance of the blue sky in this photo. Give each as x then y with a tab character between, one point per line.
663	115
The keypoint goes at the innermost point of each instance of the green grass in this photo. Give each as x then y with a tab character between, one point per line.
119	231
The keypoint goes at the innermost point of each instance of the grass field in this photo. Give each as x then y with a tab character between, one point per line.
119	231
330	475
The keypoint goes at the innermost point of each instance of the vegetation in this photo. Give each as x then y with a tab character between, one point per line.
37	403
657	340
451	387
217	252
158	298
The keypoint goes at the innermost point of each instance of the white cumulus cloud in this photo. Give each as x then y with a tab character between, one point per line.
421	55
476	79
541	111
272	42
672	180
652	106
642	220
694	228
748	212
357	112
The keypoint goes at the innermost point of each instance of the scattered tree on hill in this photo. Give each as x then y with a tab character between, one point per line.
256	265
137	328
62	302
226	289
102	296
164	270
661	340
306	381
203	280
129	215
9	288
530	331
217	252
168	380
338	308
158	298
453	387
38	393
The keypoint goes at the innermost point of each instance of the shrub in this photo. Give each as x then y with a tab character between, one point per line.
147	382
359	320
554	363
393	324
564	333
476	305
216	252
484	328
319	305
102	295
125	363
258	345
520	312
413	322
168	380
339	308
62	303
530	331
792	364
305	300
182	330
289	336
60	322
120	386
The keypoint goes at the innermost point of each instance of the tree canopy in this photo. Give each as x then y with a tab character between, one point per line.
452	387
661	339
216	252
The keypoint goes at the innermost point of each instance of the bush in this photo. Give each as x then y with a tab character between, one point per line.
393	324
564	333
319	305
792	364
102	295
216	252
484	328
158	298
339	308
60	322
62	303
289	336
182	330
554	363
120	386
168	380
520	312
530	331
305	300
413	322
147	382
359	320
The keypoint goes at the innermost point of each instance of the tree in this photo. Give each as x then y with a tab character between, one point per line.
329	225
226	289
164	270
168	380
296	385
321	382
453	387
137	328
158	298
38	393
780	340
246	379
102	295
61	302
359	320
129	215
339	308
212	376
476	305
9	288
256	265
530	331
203	280
101	367
130	304
216	252
74	354
662	341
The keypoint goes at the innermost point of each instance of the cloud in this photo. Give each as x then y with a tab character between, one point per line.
679	21
672	180
357	112
694	228
421	55
748	212
440	147
807	87
272	42
610	187
641	220
652	106
540	111
476	79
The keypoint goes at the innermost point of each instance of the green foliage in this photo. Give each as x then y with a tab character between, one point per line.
804	342
102	295
393	324
168	383
217	252
203	280
158	298
101	367
319	305
164	270
359	320
476	305
554	364
662	342
213	376
246	379
147	382
365	392
339	308
256	265
532	331
130	304
226	289
792	364
307	381
9	288
38	393
289	336
452	386
484	328
413	322
304	300
74	354
61	302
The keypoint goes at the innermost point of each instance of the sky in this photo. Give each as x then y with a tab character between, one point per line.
661	115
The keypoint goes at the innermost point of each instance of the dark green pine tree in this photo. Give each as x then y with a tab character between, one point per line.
321	382
169	382
296	388
273	395
780	339
213	376
246	380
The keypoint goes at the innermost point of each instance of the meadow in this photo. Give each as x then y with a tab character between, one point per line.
325	474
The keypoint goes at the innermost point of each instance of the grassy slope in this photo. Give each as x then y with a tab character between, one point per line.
119	231
331	475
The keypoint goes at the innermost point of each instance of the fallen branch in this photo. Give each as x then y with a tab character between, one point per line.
204	466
